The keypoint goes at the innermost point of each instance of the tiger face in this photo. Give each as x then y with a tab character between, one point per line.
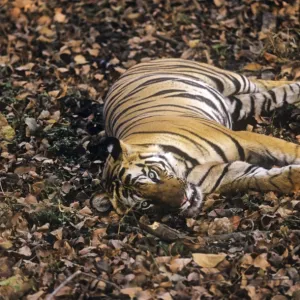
147	180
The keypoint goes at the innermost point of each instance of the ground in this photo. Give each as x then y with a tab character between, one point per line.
57	61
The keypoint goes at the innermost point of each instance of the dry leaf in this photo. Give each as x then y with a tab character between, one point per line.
261	261
219	3
58	233
252	67
178	264
25	251
208	260
59	17
6	131
80	59
85	211
132	292
5	244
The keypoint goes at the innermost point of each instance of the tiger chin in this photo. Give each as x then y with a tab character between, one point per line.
146	180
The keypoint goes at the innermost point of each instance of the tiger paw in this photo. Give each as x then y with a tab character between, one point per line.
291	71
101	202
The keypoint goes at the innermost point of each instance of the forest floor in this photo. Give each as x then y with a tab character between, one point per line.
57	61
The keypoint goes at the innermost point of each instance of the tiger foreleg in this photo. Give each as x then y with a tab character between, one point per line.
247	105
268	151
241	176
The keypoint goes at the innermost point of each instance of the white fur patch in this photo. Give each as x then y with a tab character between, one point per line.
110	148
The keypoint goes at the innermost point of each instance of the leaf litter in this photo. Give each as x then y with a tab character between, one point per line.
57	61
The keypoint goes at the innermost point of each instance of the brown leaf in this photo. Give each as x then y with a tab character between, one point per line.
26	67
252	67
85	211
208	260
24	169
178	264
4	60
99	76
25	251
80	59
220	226
6	131
132	292
219	3
5	244
58	233
15	287
59	17
38	187
261	261
270	57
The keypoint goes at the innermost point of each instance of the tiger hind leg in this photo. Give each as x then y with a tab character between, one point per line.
242	176
243	106
267	151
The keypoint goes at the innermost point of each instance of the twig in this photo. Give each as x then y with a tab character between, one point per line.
165	39
168	234
70	278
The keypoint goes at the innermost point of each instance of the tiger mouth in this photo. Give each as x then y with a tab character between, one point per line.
191	202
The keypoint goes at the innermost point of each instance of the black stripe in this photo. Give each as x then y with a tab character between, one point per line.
164	92
225	170
247	172
274	184
200	98
117	189
236	115
205	175
171	133
212	145
252	102
156	162
122	134
221	101
121	173
125	192
284	97
273	96
269	105
215	117
180	153
127	179
116	116
264	106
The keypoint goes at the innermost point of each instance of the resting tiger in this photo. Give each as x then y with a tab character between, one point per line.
170	141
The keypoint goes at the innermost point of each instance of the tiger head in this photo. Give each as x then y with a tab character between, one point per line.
147	179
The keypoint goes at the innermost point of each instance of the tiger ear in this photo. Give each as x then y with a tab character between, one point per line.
112	146
115	147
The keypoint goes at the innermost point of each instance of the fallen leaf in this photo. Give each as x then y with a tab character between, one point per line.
6	131
25	251
80	59
5	244
132	292
208	260
36	296
58	233
59	17
252	67
178	264
261	261
27	67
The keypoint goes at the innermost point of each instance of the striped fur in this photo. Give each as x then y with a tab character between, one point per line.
169	124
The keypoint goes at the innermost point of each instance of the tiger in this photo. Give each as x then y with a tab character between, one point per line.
169	137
